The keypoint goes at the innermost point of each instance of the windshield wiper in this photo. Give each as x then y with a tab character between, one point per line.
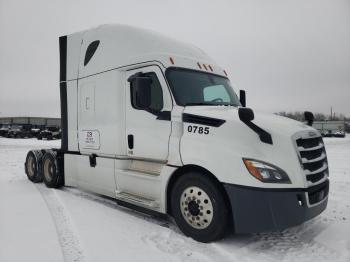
200	104
209	104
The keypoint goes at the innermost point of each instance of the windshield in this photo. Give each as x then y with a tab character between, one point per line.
192	87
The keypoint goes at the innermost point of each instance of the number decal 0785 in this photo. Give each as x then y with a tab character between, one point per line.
198	129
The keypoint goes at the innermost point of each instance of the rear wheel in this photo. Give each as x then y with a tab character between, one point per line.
199	207
33	166
52	174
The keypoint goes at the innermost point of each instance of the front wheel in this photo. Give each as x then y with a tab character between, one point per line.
199	207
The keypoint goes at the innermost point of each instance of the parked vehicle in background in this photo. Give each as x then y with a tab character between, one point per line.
327	133
20	131
330	128
35	131
49	133
339	134
4	130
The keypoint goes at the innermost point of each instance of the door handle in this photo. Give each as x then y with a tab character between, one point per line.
131	141
92	160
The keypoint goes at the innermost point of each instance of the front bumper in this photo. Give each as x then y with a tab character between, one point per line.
257	210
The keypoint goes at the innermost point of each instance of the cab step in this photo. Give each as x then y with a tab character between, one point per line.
137	200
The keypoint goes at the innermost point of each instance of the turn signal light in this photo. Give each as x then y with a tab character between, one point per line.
252	169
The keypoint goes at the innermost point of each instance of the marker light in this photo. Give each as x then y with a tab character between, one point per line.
265	172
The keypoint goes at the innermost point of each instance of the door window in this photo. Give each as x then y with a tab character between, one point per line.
156	93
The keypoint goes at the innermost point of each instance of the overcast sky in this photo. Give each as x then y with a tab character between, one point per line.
287	54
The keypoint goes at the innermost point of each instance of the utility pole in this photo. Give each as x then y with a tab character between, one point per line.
331	114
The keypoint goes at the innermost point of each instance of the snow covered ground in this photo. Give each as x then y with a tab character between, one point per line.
41	224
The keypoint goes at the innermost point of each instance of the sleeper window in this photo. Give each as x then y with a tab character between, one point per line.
90	51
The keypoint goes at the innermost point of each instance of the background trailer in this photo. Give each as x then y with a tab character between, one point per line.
34	121
329	127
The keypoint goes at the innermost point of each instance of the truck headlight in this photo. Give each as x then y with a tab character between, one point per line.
265	172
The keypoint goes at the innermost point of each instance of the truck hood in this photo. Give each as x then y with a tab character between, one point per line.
272	123
226	145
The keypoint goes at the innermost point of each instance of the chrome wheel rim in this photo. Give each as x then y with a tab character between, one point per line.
196	207
31	166
48	170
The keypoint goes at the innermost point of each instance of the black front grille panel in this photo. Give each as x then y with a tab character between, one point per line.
313	158
309	142
318	193
309	155
315	177
313	165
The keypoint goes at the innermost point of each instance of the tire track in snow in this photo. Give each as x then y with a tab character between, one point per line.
292	245
68	238
181	248
170	242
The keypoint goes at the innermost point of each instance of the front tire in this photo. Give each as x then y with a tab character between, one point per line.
199	207
52	173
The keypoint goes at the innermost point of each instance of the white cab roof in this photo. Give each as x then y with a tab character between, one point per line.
122	45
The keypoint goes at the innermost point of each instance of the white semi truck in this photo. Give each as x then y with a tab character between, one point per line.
155	124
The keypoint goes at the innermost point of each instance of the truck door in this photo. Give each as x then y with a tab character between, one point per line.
148	132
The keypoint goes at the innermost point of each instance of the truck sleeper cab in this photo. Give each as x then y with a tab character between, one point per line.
155	124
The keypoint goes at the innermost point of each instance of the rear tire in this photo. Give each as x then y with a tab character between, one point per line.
199	207
33	166
51	170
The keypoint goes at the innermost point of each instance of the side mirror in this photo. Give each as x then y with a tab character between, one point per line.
141	92
242	98
309	117
245	114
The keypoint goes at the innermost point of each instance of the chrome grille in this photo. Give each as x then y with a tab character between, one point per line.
313	159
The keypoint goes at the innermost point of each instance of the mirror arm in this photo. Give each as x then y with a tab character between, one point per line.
242	97
264	136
